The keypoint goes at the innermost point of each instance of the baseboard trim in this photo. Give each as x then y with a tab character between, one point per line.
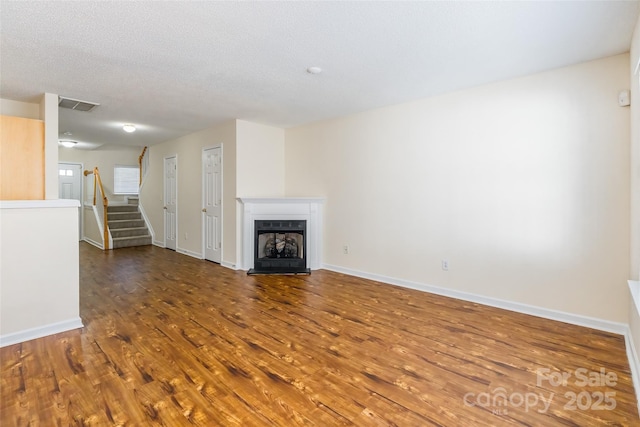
228	264
146	220
561	316
159	244
190	253
94	243
41	331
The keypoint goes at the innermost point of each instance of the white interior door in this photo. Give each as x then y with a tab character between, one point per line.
212	201
70	187
170	202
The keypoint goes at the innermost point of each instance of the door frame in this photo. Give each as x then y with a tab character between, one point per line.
164	196
203	221
82	183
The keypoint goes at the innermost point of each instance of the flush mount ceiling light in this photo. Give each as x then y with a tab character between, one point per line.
129	128
67	143
314	70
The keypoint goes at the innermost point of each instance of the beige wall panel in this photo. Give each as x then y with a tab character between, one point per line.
105	159
522	185
188	149
260	167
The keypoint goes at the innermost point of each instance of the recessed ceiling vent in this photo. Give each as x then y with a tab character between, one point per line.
76	104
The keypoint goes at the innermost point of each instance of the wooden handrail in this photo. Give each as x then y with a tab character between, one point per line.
87	173
144	150
97	183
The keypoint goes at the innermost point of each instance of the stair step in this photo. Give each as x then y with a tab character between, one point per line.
122	208
127	226
128	232
124	215
126	242
126	223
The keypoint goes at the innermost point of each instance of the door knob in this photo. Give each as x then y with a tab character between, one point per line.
164	208
204	210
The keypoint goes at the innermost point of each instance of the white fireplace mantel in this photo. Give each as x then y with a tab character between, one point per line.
300	208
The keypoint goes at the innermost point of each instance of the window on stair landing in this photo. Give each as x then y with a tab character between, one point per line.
126	179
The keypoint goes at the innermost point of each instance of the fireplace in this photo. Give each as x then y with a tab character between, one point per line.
280	247
307	209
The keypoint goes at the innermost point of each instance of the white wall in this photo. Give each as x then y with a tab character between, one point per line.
39	292
522	185
189	152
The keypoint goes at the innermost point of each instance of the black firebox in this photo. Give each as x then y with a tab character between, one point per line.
280	247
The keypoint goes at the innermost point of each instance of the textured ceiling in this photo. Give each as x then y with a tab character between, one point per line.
173	68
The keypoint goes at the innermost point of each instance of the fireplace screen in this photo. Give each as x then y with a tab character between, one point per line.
280	247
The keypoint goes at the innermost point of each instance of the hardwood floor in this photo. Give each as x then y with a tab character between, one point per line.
170	340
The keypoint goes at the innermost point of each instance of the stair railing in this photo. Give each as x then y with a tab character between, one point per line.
143	161
101	208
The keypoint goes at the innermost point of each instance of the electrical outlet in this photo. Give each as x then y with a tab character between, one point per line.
186	236
445	265
345	249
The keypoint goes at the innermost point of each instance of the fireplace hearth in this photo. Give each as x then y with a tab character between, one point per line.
280	247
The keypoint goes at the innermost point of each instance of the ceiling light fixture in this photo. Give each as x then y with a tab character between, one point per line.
129	128
314	70
67	143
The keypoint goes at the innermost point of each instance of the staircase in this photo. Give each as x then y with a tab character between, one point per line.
127	226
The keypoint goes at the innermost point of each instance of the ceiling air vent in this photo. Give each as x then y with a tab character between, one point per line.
76	104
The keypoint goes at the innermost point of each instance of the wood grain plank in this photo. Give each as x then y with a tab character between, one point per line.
170	340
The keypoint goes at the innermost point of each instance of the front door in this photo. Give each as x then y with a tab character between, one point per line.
70	186
170	202
212	201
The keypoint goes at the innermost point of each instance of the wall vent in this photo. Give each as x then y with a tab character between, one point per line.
76	104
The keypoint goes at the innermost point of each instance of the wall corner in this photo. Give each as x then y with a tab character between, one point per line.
49	114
